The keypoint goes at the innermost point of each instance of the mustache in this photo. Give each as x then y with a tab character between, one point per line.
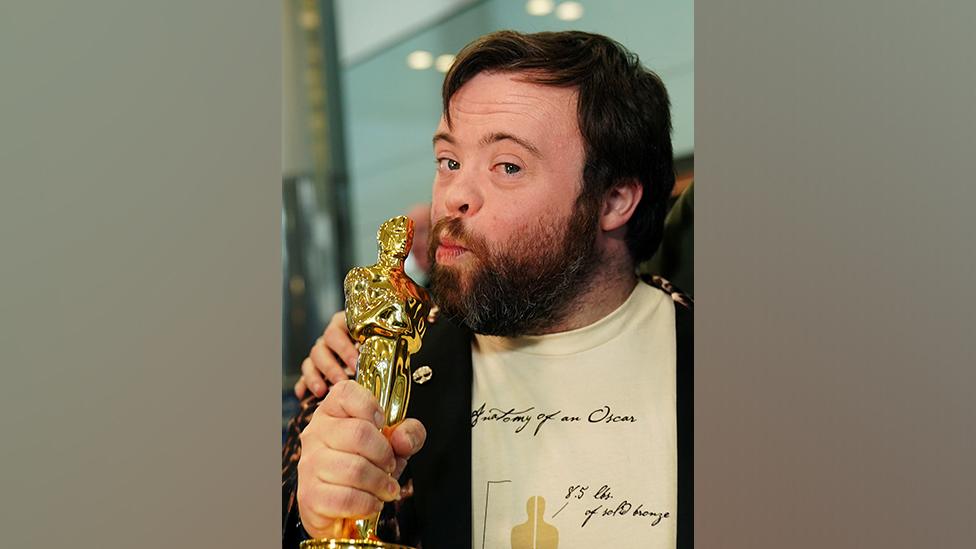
455	229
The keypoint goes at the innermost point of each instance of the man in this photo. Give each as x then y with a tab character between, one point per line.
559	387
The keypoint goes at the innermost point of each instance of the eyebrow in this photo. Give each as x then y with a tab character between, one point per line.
491	138
443	136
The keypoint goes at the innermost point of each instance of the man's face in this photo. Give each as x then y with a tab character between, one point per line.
509	244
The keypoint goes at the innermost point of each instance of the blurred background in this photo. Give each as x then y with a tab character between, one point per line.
361	99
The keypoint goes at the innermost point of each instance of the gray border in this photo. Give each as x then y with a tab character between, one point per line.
140	232
834	274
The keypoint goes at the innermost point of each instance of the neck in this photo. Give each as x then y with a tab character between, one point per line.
602	294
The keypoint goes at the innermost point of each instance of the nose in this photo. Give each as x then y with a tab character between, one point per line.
460	197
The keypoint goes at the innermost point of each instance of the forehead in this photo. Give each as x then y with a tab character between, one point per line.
505	101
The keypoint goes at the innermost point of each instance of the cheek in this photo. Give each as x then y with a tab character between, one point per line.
511	224
437	209
528	209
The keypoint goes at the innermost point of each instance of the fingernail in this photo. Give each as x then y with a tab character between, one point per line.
394	489
378	419
413	441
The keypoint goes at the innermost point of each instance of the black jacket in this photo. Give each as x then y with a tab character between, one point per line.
435	510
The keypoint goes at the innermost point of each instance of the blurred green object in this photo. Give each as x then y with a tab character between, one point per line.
675	258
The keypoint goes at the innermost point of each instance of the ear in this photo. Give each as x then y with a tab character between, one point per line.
620	203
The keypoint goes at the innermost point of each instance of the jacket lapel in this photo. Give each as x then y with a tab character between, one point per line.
443	466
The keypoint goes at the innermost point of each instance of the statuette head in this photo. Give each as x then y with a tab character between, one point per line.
395	237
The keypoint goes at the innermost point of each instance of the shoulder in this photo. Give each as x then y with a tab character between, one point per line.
684	322
357	273
443	339
682	301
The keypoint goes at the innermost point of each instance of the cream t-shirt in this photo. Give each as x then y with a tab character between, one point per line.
573	434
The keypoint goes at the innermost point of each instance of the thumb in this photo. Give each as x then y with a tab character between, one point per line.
408	438
401	464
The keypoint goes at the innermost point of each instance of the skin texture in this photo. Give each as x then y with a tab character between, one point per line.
509	167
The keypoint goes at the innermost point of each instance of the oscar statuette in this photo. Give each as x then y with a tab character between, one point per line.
386	313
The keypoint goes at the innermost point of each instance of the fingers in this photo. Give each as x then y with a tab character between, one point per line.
350	399
312	377
401	464
331	359
408	438
353	471
361	439
337	338
349	420
345	467
321	505
326	363
300	388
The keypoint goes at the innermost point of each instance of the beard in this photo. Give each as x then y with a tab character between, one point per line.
522	287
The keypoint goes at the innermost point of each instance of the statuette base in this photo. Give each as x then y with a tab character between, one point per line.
349	544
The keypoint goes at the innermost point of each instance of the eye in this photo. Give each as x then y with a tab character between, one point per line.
508	168
448	164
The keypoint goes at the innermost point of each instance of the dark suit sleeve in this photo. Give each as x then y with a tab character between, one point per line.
292	532
684	369
684	325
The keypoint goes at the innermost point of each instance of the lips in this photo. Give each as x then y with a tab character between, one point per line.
449	249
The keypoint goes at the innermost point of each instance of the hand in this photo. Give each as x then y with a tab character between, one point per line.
348	467
331	360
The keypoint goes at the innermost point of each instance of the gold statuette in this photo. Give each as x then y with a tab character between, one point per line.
386	313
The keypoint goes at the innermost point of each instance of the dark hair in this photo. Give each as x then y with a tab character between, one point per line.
624	113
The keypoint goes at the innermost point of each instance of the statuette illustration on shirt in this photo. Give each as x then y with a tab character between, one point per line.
535	532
